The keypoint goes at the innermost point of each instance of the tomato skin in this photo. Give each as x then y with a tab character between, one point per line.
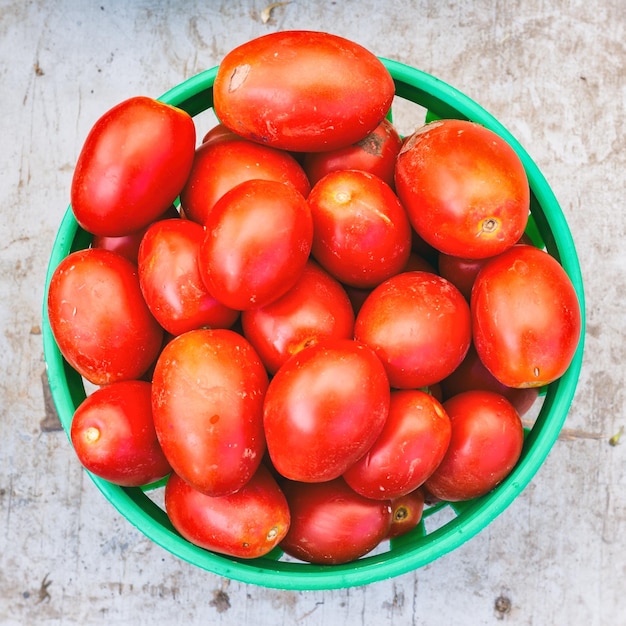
406	513
132	166
324	408
417	348
113	434
526	317
304	91
413	441
332	524
170	279
207	403
317	306
464	188
246	524
486	443
99	319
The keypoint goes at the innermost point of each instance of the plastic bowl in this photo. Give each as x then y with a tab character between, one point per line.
445	526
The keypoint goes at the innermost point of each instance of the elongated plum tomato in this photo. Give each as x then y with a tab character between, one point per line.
246	524
132	166
526	317
207	402
99	319
406	513
113	434
464	188
304	91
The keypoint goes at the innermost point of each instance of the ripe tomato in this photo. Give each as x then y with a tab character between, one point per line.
207	402
99	318
411	445
406	513
170	279
132	166
317	306
246	524
362	234
486	443
331	524
464	188
419	325
302	90
113	434
526	317
324	408
258	239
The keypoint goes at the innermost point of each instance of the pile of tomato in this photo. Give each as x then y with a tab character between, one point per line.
307	325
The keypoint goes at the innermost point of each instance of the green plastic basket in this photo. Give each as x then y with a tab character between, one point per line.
459	521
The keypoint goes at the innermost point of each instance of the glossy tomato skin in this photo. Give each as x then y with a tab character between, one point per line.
170	279
207	403
464	188
413	441
526	317
246	524
331	523
406	513
99	318
486	443
317	306
113	434
302	90
417	346
324	408
362	234
132	166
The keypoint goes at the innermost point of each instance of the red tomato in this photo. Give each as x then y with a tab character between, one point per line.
526	317
258	239
207	402
170	279
304	91
464	187
317	306
219	132
406	513
419	325
331	524
246	524
324	408
362	234
132	166
223	163
99	318
411	445
113	434
486	443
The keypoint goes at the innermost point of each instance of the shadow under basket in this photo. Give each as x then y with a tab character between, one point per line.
444	526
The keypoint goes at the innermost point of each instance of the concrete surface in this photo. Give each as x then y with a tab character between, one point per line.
553	73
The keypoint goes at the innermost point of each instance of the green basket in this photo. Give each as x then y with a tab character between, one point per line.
449	525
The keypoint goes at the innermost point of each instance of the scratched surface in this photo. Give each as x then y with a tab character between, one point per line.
553	73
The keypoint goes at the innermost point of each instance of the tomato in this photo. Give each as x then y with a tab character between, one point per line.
207	401
331	524
526	317
406	513
246	524
170	279
375	154
317	306
224	162
410	447
464	188
304	91
219	132
324	408
132	166
258	239
113	434
99	319
362	234
486	443
419	325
